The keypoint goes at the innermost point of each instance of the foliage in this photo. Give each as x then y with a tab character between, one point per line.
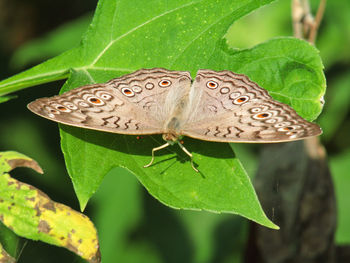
194	228
32	214
299	68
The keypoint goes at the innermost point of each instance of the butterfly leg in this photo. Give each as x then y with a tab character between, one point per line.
189	154
154	150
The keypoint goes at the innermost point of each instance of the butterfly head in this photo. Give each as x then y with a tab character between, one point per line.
171	138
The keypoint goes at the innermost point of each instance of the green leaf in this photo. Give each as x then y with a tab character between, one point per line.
221	186
7	98
85	150
32	214
160	34
180	35
339	165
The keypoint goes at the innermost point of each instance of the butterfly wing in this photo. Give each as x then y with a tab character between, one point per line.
137	103
228	107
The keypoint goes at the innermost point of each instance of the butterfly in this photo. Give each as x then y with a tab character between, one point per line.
219	106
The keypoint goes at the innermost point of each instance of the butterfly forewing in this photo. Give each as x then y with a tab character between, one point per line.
137	103
219	106
228	107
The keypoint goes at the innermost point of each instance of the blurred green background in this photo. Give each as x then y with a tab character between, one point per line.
132	226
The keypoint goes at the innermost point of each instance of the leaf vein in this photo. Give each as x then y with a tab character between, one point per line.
140	26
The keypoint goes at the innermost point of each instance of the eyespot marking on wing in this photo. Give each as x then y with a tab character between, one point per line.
262	116
255	110
70	105
95	101
282	124
136	89
128	92
224	90
149	86
103	95
211	84
164	83
241	100
61	108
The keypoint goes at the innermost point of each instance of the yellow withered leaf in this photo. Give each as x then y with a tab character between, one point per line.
30	213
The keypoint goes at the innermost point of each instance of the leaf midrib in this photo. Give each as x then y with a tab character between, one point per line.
138	27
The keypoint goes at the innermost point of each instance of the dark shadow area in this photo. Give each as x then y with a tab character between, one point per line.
131	145
295	188
40	252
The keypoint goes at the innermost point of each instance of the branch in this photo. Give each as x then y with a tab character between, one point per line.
305	26
317	21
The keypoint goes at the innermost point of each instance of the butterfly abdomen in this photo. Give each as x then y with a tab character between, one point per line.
174	123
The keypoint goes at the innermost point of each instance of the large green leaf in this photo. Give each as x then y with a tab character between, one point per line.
182	35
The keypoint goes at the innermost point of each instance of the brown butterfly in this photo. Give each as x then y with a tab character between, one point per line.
218	106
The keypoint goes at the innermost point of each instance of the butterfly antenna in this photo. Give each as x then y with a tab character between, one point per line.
189	154
154	150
